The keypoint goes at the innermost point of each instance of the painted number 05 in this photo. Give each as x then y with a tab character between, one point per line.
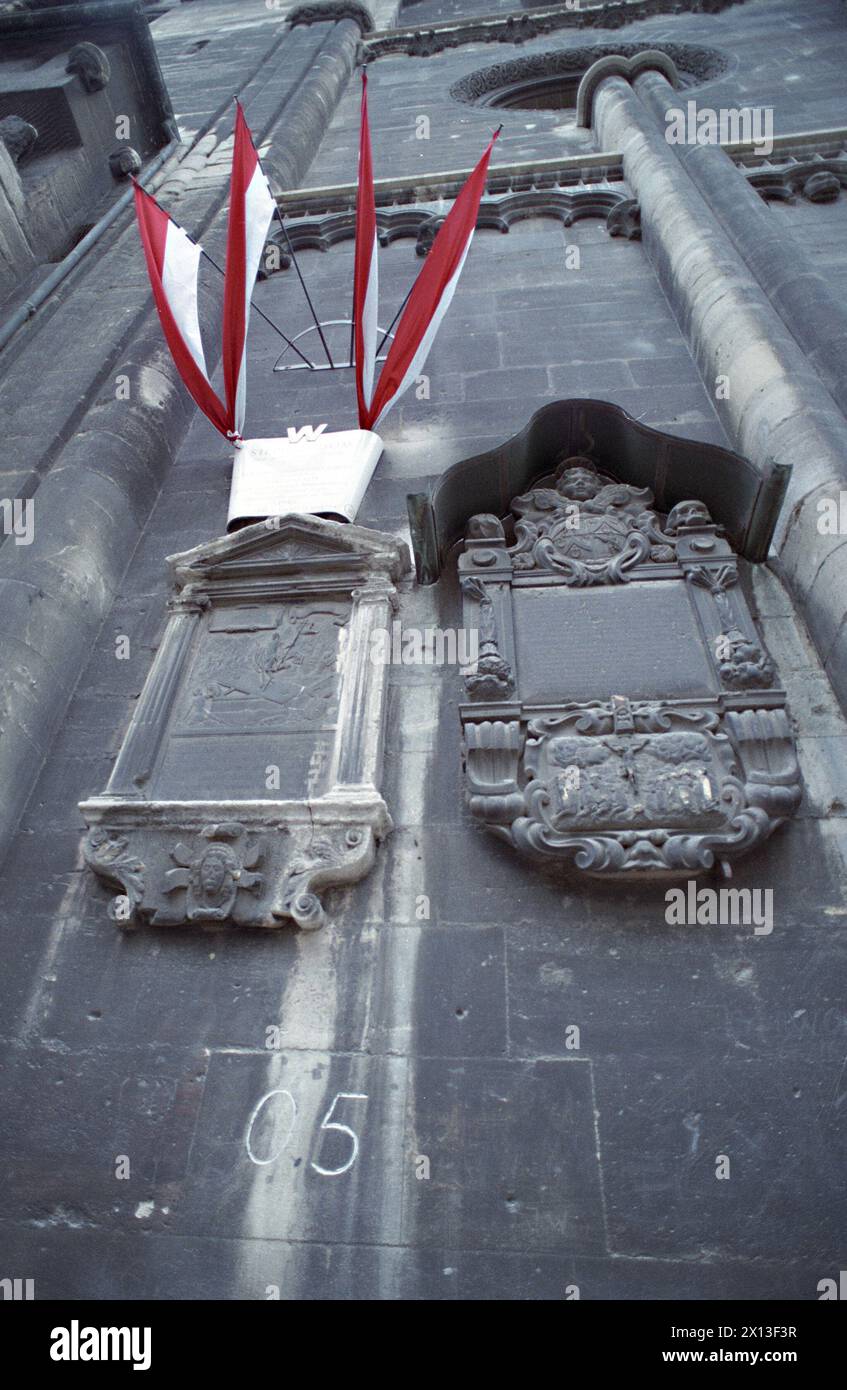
327	1123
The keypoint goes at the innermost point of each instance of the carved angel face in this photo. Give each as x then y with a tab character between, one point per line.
580	482
689	513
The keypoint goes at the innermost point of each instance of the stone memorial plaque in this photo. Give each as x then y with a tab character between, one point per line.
623	717
249	777
593	631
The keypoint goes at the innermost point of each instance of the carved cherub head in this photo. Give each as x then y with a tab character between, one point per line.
691	512
213	872
579	480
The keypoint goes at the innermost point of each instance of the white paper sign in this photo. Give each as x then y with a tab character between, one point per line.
309	472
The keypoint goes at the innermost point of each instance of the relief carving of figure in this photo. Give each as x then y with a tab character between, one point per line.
248	680
650	779
742	663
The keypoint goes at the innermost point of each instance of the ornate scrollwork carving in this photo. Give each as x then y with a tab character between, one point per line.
769	758
492	757
257	873
340	858
108	853
668	789
588	529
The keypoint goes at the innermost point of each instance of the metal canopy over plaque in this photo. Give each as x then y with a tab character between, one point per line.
249	777
623	716
744	498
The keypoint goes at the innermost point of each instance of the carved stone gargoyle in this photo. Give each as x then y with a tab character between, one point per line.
249	777
623	718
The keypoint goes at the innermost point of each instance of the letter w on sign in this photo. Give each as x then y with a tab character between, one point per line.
307	432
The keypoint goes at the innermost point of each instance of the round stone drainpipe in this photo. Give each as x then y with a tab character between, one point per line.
800	296
778	407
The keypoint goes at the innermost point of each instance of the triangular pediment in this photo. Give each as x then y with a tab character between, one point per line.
292	540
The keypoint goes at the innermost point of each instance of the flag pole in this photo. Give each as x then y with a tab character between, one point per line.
303	282
387	333
433	289
278	216
255	306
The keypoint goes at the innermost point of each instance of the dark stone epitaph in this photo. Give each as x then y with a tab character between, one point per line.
623	717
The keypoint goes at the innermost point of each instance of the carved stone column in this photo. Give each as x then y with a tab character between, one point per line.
777	408
360	752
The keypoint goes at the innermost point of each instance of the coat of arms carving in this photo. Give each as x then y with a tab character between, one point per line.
624	717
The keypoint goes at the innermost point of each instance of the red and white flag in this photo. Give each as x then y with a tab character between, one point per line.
172	264
365	277
431	296
251	207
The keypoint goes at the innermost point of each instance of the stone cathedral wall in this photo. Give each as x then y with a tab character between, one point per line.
498	1153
